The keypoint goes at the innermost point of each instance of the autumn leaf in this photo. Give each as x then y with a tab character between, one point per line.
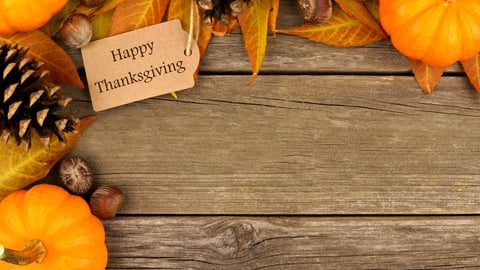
135	14
472	68
19	168
358	10
427	76
254	21
52	27
272	19
55	59
340	30
101	25
108	6
220	29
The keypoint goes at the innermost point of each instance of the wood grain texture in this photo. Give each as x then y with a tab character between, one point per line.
293	145
293	243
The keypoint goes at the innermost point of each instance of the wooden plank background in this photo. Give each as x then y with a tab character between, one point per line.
332	159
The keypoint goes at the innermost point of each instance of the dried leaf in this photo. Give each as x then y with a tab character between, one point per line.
254	21
101	25
472	68
19	168
220	29
108	6
358	10
52	27
180	9
340	30
272	19
55	59
427	76
135	14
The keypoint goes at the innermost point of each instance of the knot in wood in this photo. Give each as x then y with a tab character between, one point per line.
234	238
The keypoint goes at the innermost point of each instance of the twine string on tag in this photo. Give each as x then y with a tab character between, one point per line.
193	29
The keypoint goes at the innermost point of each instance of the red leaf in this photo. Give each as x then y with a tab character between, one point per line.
427	76
472	68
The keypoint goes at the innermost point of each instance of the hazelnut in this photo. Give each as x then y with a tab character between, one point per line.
76	30
92	3
315	11
76	175
106	201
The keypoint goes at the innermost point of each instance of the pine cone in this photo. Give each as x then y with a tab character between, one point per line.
28	101
220	9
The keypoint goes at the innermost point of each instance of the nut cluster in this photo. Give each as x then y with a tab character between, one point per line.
77	177
221	10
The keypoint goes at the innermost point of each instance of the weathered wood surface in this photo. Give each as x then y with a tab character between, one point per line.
294	145
343	159
225	243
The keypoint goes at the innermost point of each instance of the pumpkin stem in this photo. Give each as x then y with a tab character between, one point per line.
34	251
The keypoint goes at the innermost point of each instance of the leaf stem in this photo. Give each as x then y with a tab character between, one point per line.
34	251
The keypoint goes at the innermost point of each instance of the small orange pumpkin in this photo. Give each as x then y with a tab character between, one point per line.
438	32
26	15
47	228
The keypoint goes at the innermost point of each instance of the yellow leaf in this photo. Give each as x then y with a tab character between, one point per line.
254	21
358	10
19	168
427	76
101	25
472	68
108	6
340	30
55	59
135	14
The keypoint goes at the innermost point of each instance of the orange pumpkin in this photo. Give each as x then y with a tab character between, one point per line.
438	32
64	232
26	15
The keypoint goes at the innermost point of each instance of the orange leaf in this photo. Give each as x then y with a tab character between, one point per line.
358	10
427	76
272	19
220	29
254	21
340	30
135	14
108	6
472	68
55	59
19	168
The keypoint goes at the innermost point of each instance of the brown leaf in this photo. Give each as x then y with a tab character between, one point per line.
358	10
19	168
254	21
340	30
427	76
135	14
55	59
472	68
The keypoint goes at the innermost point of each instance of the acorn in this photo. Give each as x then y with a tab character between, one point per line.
76	175
315	11
92	3
76	30
106	201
